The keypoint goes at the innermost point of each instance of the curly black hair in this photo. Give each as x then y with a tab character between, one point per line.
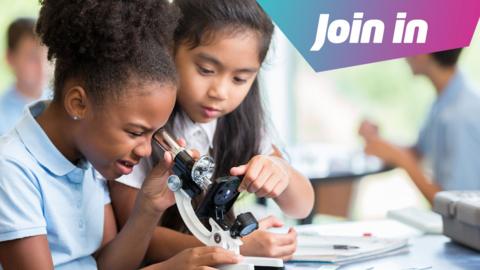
107	43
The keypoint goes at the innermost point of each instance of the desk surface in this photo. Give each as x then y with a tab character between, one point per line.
435	251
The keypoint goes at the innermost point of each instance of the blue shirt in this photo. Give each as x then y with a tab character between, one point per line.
12	104
43	193
450	138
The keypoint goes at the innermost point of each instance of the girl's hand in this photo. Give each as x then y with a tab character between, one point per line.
199	258
155	187
266	176
268	244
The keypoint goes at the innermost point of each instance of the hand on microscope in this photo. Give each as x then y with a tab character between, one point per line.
266	176
155	189
268	244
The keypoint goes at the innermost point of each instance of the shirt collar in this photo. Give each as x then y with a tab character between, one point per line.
41	147
190	127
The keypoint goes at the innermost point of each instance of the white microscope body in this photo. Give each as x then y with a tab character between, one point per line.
217	236
190	179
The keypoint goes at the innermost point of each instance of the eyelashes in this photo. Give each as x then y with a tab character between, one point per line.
208	72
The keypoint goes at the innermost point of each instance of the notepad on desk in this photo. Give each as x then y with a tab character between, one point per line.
345	249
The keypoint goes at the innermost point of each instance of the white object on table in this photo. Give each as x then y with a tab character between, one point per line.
386	228
424	220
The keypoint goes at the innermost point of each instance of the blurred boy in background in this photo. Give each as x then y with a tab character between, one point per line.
27	59
449	142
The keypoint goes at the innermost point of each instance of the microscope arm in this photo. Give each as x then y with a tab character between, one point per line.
216	237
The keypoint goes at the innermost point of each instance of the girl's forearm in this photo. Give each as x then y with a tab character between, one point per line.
167	242
128	249
298	198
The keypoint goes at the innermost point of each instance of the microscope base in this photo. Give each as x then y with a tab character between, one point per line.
256	263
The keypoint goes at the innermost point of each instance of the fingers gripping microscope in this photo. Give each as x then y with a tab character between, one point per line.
191	178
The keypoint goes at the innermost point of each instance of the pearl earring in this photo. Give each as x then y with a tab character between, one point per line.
75	118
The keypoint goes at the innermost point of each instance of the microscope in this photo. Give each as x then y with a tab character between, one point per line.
192	178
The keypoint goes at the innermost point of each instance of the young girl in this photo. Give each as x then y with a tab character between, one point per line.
219	48
115	84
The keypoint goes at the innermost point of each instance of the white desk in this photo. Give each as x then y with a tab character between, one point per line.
434	251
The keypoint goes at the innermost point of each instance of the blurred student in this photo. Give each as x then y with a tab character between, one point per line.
449	141
27	59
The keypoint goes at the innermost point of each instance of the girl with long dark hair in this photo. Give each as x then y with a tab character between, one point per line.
219	48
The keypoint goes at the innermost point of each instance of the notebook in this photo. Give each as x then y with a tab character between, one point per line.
317	248
424	220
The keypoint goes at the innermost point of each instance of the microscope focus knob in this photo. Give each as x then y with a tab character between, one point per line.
174	183
244	224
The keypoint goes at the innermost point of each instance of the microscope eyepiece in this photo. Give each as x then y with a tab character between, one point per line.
194	174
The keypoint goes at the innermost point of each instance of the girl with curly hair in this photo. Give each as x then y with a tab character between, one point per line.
114	86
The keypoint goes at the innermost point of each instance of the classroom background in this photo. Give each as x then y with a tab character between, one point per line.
309	109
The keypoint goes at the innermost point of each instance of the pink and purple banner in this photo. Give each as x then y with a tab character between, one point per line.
332	34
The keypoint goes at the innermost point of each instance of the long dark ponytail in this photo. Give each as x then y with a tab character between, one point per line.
238	134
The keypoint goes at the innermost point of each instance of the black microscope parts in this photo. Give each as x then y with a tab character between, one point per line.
193	176
219	200
244	225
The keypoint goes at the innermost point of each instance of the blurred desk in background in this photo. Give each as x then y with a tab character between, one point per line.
332	169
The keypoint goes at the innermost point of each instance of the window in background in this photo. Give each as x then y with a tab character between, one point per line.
327	107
